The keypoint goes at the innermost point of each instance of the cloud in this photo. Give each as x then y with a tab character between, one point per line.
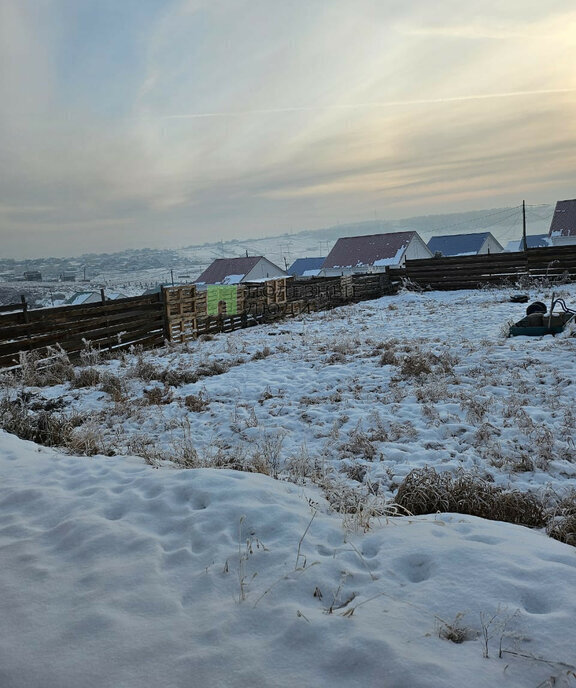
233	116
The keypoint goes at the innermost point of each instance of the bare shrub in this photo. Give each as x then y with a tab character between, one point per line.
455	631
266	457
425	491
88	441
86	377
196	403
211	368
388	357
416	365
158	396
261	354
359	444
562	518
144	370
46	428
564	529
177	378
114	386
144	445
89	356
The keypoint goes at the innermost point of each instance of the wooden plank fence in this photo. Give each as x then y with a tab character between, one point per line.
177	314
472	272
116	324
180	314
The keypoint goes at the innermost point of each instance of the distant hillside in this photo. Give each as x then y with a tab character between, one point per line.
133	270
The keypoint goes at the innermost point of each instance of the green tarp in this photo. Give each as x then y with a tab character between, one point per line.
216	293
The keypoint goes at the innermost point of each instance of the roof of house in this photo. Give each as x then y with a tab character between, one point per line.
458	244
564	219
81	297
532	241
303	266
228	270
373	249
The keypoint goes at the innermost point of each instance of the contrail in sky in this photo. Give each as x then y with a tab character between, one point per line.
360	106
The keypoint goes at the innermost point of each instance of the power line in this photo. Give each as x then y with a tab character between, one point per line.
515	209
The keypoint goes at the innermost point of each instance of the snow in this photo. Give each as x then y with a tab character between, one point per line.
118	573
393	260
233	279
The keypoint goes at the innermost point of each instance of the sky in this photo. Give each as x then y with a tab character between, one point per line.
166	123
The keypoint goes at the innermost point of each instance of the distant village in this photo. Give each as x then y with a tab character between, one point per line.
349	255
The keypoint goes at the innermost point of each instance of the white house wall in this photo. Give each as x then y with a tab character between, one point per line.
490	245
416	250
264	269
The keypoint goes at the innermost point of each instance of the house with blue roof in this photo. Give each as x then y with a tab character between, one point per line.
532	241
306	267
465	244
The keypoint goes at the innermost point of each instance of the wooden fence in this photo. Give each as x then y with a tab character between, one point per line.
180	314
472	272
187	318
110	325
177	314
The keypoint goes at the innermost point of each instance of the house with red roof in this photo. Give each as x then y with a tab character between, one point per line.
373	253
238	270
563	226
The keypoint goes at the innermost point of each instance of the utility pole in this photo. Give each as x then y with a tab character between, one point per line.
524	242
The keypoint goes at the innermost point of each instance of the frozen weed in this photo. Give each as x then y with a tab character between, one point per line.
266	457
425	491
177	378
89	356
211	368
114	385
562	517
196	403
182	449
145	446
455	631
159	395
416	365
144	370
301	467
262	353
87	440
86	377
359	444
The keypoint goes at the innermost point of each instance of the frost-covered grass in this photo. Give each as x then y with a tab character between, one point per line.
360	396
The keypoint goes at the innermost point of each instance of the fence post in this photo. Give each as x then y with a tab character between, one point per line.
162	296
25	308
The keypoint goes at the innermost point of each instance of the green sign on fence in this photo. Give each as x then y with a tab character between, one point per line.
216	293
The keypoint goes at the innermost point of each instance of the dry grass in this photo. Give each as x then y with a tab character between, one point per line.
261	353
45	427
86	377
196	403
425	491
158	395
114	385
562	523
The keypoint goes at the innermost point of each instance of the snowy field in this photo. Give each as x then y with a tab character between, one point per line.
127	560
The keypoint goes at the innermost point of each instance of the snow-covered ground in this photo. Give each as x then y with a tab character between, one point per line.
127	571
